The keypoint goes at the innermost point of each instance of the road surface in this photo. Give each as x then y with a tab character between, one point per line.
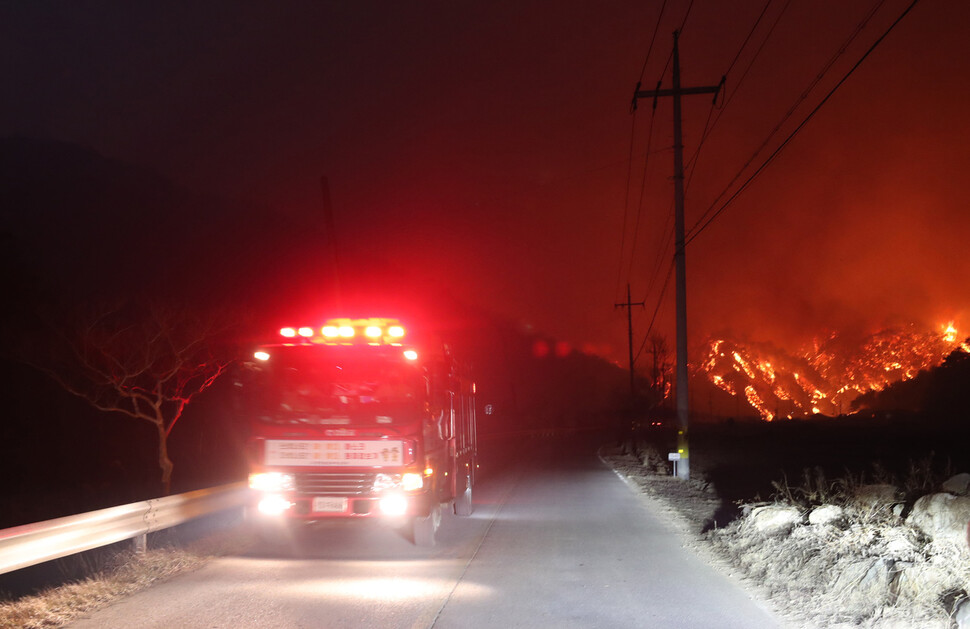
557	540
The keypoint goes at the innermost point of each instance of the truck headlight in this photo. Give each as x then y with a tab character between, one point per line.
411	481
408	481
272	481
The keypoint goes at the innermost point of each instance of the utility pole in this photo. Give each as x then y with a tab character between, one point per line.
629	323
683	466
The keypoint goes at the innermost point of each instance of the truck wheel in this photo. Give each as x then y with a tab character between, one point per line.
463	502
426	528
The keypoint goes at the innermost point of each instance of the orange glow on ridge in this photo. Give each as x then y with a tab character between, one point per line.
826	376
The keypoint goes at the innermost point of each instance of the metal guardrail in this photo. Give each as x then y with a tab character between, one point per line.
31	544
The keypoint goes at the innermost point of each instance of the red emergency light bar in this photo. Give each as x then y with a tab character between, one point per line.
374	331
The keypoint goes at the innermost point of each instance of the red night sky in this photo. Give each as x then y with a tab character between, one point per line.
487	145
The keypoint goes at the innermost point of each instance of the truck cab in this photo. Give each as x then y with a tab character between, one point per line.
355	419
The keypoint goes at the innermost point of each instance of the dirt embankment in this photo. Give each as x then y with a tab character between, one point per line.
856	549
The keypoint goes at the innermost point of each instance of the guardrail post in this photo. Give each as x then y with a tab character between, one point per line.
31	544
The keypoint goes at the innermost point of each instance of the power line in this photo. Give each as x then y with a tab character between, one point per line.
692	162
636	229
670	56
668	238
667	229
643	185
747	69
748	38
653	39
653	319
696	231
629	176
791	111
677	92
686	15
626	206
709	125
665	241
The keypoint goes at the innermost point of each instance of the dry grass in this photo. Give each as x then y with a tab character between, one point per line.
125	574
874	571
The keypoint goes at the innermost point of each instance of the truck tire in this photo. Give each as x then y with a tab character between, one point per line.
425	529
463	501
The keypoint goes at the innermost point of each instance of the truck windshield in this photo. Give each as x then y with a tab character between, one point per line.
334	386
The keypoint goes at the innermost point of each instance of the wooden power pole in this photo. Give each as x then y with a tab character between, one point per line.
683	466
629	326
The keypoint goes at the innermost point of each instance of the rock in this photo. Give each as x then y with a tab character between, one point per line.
942	517
774	519
866	582
827	514
958	485
962	614
746	509
877	578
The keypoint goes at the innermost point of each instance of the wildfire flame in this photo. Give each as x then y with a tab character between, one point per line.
824	377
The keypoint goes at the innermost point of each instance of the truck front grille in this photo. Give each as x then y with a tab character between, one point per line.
333	484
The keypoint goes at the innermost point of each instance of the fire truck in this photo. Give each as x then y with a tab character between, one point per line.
358	418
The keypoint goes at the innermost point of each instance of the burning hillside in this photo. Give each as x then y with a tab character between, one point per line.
825	376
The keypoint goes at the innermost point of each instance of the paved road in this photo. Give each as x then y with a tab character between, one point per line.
556	542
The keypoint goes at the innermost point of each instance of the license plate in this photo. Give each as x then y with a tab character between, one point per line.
327	504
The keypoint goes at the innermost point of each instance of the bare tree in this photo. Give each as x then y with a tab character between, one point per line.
144	361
